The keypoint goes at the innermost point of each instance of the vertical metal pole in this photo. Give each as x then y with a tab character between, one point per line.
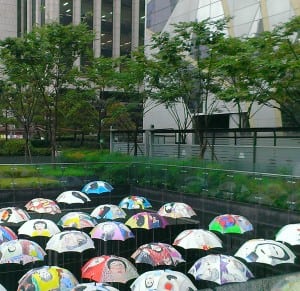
254	150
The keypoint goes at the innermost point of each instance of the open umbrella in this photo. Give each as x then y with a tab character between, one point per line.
147	220
96	187
72	197
290	234
42	205
47	278
135	202
159	280
111	230
230	223
220	269
70	241
94	287
109	269
38	227
77	219
13	215
108	211
265	251
157	254
2	288
21	251
197	239
6	234
176	210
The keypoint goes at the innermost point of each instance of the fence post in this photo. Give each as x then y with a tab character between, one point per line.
254	150
111	138
147	143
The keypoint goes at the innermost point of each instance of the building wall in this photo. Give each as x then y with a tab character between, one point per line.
249	17
8	24
118	24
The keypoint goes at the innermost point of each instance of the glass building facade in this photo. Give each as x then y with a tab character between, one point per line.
118	24
248	18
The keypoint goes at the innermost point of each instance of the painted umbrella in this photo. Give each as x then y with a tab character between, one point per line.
38	227
230	223
77	219
21	251
70	241
147	220
109	269
157	254
176	210
135	202
197	239
13	215
42	205
108	211
97	187
290	234
72	197
111	230
6	234
47	278
158	280
265	251
94	287
220	269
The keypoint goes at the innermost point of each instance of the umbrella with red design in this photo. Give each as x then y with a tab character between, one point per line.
109	269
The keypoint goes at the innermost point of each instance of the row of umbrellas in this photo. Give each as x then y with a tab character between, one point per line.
217	268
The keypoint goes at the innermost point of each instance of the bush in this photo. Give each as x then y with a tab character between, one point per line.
12	147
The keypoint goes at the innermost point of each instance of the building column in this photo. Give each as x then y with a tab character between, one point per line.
76	20
76	11
265	15
116	28
38	13
135	24
52	11
29	15
296	6
97	27
226	11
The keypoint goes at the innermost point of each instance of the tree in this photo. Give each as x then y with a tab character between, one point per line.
40	68
184	72
131	79
19	85
263	69
101	75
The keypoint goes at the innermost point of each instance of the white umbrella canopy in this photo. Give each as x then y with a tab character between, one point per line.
159	280
77	219
13	215
265	251
111	230
220	269
72	197
197	239
42	205
157	254
176	210
47	278
39	227
108	211
70	241
290	234
21	251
